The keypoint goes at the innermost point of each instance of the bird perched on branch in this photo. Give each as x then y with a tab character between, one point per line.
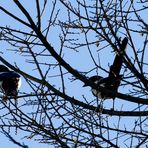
9	82
112	82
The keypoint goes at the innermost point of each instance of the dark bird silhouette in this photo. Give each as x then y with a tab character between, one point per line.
9	82
111	82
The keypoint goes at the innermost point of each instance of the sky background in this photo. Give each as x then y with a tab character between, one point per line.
14	57
76	60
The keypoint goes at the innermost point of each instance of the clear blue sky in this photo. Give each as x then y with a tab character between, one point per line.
12	57
80	61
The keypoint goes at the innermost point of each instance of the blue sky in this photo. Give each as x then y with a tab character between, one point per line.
79	60
13	57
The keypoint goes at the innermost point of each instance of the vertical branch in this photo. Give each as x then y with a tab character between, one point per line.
38	14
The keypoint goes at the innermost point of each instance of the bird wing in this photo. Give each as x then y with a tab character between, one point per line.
114	77
103	81
117	64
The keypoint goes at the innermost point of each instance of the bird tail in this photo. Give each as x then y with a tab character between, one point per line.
117	64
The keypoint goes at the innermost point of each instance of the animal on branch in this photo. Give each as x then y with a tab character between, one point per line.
112	82
10	82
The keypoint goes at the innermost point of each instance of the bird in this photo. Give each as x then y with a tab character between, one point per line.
108	83
10	82
114	78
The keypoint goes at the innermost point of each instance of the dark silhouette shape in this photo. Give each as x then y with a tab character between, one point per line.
111	82
9	81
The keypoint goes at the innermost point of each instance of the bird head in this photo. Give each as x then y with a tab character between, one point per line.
93	79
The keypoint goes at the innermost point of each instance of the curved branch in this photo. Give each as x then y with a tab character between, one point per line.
79	103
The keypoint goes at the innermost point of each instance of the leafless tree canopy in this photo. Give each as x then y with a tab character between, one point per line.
56	46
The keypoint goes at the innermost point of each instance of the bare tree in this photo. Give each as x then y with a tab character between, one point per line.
62	44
